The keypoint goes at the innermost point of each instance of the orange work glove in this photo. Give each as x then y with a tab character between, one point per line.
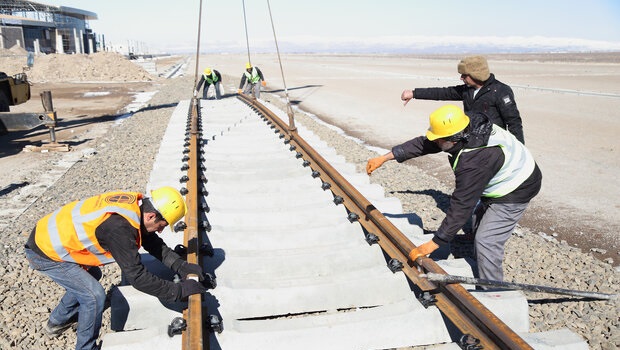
423	250
263	83
374	163
239	91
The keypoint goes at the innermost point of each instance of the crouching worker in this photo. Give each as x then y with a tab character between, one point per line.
495	174
69	244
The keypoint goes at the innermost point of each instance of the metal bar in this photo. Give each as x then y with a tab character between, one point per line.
46	99
24	121
441	278
193	336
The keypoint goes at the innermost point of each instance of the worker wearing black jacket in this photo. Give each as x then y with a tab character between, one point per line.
71	243
489	166
209	77
251	81
481	92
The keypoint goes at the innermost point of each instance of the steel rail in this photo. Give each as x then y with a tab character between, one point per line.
462	308
193	337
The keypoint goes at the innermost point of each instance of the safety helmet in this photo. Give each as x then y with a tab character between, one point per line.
248	65
169	203
446	121
207	71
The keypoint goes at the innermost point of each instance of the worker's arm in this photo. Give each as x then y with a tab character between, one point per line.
117	236
474	171
374	163
200	82
508	111
452	93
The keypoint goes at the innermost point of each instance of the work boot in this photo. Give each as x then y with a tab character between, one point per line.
54	330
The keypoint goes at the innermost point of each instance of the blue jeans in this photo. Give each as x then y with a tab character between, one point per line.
84	296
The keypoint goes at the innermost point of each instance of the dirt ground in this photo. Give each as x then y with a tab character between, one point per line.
568	103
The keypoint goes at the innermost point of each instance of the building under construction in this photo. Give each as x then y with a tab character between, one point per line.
42	28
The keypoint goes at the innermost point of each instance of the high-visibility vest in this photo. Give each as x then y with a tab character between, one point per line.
68	234
518	163
254	77
211	78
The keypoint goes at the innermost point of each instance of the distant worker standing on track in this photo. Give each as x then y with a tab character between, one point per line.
250	80
481	92
489	166
209	77
71	243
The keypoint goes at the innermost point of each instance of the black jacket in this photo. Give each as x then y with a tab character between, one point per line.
473	172
495	99
117	236
244	78
203	80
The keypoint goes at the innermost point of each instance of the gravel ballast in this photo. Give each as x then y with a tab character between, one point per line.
123	160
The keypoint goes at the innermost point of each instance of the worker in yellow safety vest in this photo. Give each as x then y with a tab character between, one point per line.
69	244
495	179
209	77
251	80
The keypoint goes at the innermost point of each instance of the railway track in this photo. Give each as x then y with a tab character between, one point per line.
300	252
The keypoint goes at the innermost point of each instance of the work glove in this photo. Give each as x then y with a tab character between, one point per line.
374	163
263	83
195	93
189	287
190	269
239	91
423	250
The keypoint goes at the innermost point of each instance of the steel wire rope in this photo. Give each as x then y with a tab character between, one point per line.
289	109
245	24
198	46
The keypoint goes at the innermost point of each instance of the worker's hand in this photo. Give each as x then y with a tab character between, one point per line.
189	287
195	93
263	83
423	250
374	163
239	91
190	269
406	96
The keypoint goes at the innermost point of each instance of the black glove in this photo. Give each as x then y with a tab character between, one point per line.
189	287
190	269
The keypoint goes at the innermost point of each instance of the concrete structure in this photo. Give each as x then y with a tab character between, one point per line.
42	28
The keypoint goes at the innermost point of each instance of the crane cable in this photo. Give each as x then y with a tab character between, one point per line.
289	109
198	46
245	23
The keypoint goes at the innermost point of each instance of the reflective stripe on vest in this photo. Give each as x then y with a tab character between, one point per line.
211	78
254	77
518	163
68	234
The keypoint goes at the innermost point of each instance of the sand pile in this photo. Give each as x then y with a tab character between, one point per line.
100	66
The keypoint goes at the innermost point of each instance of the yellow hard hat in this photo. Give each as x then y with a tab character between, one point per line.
207	71
446	121
248	65
170	204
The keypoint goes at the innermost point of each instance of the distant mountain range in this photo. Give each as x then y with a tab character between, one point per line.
418	45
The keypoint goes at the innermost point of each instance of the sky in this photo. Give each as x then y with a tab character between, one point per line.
350	25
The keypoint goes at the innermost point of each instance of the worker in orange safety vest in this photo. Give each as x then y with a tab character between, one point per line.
71	243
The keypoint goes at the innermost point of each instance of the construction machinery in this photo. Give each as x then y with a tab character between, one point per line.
15	90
